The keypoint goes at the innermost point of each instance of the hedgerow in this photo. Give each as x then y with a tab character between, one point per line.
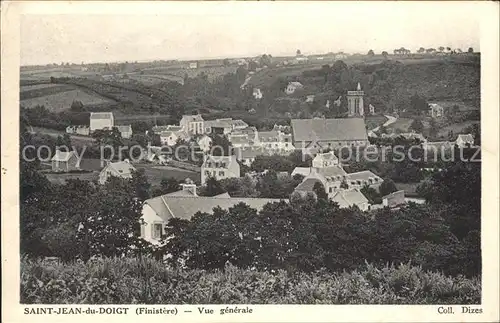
148	281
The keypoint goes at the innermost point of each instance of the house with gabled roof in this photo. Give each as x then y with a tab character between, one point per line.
122	169
192	124
464	140
125	131
219	167
65	161
159	210
349	198
292	87
325	160
101	120
321	134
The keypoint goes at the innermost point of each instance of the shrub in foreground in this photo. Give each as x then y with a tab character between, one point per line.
147	281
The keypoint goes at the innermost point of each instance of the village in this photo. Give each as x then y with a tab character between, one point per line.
320	138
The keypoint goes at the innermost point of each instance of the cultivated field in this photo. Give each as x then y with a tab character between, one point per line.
156	173
456	128
62	178
62	101
25	88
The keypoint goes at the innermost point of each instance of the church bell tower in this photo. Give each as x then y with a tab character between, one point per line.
355	102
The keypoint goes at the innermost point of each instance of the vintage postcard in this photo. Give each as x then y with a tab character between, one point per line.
250	161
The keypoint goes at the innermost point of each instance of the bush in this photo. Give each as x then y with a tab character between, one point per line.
146	281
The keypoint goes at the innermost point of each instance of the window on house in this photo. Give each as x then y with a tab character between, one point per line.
143	230
213	173
157	231
221	173
207	173
330	190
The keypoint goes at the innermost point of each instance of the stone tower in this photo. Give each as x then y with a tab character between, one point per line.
355	102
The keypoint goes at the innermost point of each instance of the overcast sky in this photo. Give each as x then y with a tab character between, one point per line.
243	29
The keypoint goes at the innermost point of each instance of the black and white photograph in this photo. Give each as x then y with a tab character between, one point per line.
263	153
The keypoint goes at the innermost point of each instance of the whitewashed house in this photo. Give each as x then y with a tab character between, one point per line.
464	140
125	131
122	169
101	120
63	161
219	167
292	87
192	124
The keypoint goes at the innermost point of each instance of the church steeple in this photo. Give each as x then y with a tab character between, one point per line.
359	87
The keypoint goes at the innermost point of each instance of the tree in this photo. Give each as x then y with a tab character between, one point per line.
141	184
298	52
421	50
212	187
226	62
470	50
319	190
433	128
344	185
77	106
371	53
417	126
371	194
441	48
387	187
167	185
385	54
240	187
220	145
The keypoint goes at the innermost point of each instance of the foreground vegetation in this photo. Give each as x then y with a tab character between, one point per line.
134	281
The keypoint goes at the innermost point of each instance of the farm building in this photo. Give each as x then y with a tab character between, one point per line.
63	161
219	167
101	120
121	169
125	131
184	204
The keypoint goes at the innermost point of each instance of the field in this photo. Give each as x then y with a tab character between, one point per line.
62	100
62	178
156	173
211	72
146	281
402	124
25	88
456	128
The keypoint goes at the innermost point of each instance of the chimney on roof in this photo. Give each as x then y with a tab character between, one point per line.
189	186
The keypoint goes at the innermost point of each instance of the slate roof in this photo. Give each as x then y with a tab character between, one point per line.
307	185
269	136
326	156
349	197
184	207
331	171
192	118
127	128
302	171
341	129
240	140
101	115
364	175
227	160
466	138
62	156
